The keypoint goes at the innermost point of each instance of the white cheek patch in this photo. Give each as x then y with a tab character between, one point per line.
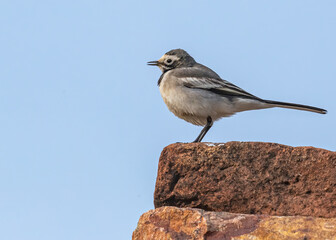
172	57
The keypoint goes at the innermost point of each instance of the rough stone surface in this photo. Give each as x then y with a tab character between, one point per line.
190	223
248	177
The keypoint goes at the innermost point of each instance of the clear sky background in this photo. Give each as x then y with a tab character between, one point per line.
82	120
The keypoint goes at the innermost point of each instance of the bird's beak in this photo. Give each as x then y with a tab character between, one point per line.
153	63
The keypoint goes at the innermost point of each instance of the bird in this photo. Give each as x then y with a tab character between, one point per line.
198	95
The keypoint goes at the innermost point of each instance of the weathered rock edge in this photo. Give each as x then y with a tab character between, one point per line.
190	223
249	178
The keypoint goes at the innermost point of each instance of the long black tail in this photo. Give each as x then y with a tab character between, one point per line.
296	106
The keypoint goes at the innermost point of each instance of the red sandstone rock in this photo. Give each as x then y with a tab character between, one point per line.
171	223
248	177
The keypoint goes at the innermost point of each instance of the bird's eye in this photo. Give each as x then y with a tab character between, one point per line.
169	61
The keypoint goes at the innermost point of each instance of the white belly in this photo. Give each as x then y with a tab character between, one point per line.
194	105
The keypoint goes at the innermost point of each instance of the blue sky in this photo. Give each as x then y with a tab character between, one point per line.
82	120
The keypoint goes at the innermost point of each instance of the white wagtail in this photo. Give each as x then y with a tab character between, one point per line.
198	95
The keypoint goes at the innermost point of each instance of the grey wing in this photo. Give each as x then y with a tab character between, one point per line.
201	77
217	86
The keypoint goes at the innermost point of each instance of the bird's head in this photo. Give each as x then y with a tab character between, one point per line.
175	58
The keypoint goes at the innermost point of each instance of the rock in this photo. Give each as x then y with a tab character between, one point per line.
190	223
248	177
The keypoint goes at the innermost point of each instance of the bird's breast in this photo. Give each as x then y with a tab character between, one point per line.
173	95
192	105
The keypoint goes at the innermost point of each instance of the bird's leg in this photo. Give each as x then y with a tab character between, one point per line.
204	130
